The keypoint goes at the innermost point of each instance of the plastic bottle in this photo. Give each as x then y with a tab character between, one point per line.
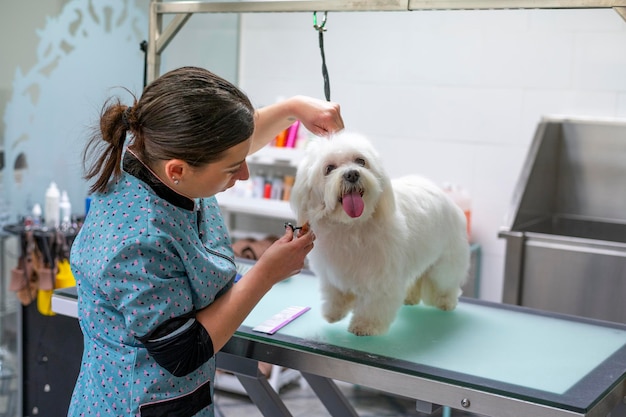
37	213
258	185
287	185
277	188
267	188
248	190
66	210
292	134
87	204
51	208
465	202
462	198
281	139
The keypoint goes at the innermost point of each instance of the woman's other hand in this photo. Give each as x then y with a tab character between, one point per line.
286	256
322	118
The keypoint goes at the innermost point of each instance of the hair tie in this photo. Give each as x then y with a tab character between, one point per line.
125	115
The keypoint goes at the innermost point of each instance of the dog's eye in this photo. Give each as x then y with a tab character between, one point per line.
360	161
329	169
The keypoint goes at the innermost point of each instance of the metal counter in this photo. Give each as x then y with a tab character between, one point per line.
490	359
566	233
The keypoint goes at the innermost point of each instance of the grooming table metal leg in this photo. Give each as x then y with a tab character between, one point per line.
255	383
428	407
330	395
264	396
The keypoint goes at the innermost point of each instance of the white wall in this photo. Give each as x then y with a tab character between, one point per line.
452	95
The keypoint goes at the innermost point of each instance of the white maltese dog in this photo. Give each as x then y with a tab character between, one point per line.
380	243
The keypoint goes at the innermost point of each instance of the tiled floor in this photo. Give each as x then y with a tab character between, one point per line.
301	401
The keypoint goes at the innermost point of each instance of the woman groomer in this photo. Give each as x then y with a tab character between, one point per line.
153	261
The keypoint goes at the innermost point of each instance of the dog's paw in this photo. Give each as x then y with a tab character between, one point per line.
443	300
336	305
333	318
414	293
446	303
333	314
362	327
411	301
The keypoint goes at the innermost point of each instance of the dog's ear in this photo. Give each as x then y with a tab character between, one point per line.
387	203
305	198
301	198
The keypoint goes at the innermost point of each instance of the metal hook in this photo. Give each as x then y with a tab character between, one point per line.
319	28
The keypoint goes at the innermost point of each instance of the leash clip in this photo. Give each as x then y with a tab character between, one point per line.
319	28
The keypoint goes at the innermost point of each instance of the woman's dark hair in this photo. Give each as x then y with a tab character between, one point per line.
188	113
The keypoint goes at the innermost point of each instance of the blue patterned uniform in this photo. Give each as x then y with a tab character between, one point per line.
144	255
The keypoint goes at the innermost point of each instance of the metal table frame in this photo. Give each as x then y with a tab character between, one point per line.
160	37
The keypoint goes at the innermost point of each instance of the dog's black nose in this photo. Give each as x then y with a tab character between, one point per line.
351	176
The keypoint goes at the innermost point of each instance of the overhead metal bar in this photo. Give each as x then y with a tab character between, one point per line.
282	6
159	38
512	4
376	5
171	30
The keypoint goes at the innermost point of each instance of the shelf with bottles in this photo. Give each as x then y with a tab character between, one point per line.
250	205
272	173
278	209
260	205
285	149
273	155
267	182
243	200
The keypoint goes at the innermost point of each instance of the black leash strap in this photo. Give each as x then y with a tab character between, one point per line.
144	48
320	29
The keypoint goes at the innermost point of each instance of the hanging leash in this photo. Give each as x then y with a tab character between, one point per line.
320	29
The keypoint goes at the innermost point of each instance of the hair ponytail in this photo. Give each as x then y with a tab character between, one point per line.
103	154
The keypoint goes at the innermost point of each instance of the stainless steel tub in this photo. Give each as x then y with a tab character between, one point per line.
566	232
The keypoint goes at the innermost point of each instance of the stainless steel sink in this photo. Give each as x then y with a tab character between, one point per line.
566	232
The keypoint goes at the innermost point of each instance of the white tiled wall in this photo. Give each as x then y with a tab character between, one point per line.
452	95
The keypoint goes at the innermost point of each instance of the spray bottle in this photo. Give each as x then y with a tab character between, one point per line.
37	213
66	210
462	198
51	208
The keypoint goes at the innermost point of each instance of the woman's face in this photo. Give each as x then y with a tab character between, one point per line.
220	175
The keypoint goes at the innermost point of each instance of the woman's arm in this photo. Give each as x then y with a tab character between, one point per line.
281	260
321	118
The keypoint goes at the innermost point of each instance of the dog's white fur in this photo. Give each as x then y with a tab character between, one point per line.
409	243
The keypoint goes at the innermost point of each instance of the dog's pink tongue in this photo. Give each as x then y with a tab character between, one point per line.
353	204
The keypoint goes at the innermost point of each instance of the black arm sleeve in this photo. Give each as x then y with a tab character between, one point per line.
179	345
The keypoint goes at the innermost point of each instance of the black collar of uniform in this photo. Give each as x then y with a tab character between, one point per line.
137	169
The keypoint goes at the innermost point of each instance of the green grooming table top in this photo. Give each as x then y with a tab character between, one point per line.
560	361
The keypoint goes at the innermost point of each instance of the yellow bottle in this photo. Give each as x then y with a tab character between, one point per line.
63	279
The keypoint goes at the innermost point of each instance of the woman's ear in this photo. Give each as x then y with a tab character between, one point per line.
175	170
